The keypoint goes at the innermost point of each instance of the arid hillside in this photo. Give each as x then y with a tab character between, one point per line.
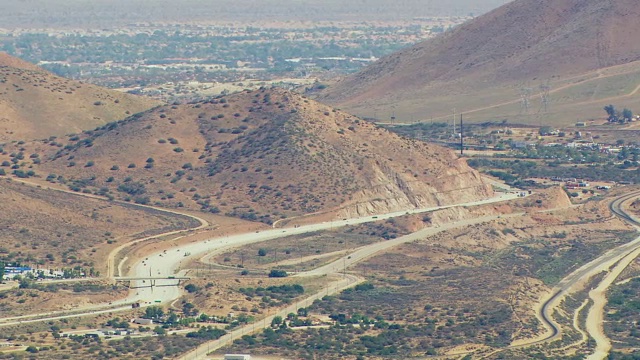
11	61
260	155
37	104
56	230
491	61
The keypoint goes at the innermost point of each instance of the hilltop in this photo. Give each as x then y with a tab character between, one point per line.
584	50
258	155
7	60
36	104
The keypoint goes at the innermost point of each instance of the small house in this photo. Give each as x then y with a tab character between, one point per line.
140	321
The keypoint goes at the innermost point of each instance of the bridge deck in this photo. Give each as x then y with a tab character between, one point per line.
150	278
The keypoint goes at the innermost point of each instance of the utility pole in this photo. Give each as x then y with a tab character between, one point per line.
454	122
461	137
344	267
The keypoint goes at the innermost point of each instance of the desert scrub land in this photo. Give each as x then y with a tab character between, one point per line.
163	346
308	251
379	322
248	295
55	230
467	289
33	296
621	315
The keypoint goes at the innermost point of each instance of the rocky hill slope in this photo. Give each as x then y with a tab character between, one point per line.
258	155
36	104
489	60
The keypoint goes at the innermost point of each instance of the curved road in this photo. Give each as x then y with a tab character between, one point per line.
595	316
337	267
574	281
167	264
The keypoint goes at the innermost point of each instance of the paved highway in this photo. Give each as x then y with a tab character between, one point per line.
167	264
337	267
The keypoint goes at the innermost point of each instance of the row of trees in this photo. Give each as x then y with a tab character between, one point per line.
615	116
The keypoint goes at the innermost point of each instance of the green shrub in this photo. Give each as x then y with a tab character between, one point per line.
278	273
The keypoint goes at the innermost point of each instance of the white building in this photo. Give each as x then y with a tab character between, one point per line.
237	357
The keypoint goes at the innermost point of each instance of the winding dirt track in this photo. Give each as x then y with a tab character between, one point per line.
595	316
621	257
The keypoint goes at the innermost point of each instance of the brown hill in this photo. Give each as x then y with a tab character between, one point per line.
259	155
56	230
10	61
489	60
37	104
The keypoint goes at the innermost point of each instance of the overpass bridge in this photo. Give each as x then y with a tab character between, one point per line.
151	280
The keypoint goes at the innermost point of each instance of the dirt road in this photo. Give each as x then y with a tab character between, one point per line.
595	316
621	257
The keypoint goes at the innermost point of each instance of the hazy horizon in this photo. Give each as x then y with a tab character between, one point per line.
113	13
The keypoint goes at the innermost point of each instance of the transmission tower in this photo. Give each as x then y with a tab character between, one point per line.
525	98
545	90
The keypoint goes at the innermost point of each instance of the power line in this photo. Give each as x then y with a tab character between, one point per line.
545	90
525	98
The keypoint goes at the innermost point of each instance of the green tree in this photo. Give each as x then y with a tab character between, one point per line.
627	114
277	273
154	312
189	309
545	130
611	113
277	320
172	318
191	288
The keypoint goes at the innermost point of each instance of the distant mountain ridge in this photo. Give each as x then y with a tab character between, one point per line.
526	41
